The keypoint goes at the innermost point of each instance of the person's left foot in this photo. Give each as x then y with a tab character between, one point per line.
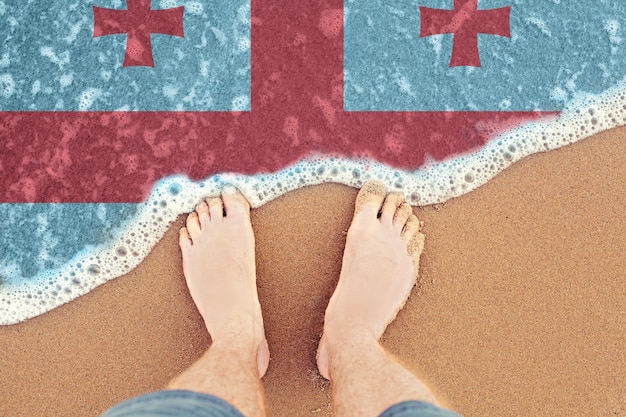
219	266
379	269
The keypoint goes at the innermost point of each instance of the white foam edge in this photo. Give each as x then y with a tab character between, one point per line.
434	182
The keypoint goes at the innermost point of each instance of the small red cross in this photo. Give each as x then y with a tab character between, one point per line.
465	22
138	22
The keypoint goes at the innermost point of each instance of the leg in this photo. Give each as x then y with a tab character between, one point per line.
379	270
219	266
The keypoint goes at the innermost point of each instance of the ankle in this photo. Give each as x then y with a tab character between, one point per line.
349	340
341	325
238	331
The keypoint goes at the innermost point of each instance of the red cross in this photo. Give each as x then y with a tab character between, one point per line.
465	22
296	109
138	22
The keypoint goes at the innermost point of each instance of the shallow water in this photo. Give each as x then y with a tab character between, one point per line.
564	47
53	253
47	236
71	249
41	72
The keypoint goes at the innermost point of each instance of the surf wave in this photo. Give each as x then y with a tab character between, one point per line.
23	297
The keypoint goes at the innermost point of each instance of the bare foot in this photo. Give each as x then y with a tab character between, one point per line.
380	264
219	266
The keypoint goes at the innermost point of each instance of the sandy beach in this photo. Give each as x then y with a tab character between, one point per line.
520	308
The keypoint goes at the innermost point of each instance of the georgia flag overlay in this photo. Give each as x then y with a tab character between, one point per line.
100	99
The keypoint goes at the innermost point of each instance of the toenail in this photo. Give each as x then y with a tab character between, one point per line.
229	189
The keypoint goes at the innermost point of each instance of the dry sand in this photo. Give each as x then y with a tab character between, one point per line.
520	309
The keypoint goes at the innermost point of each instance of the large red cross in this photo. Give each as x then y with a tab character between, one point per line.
138	22
465	22
296	109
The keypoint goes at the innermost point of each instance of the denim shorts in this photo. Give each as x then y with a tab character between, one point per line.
193	404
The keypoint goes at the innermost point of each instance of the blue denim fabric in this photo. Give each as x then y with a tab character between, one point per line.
173	404
417	409
193	404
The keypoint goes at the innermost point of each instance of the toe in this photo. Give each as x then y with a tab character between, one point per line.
216	208
416	245
235	204
370	198
203	213
411	228
392	202
193	225
402	214
414	240
184	240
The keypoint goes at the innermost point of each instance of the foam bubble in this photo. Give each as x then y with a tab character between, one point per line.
558	94
612	27
167	4
170	91
7	85
87	98
403	83
240	103
66	80
243	13
435	182
61	59
194	7
243	44
331	22
5	61
219	35
204	68
36	87
541	25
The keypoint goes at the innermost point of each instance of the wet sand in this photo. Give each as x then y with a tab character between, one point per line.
520	308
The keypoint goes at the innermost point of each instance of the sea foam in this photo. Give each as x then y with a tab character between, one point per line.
434	182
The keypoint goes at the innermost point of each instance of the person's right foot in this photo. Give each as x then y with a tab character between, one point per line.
218	261
380	264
